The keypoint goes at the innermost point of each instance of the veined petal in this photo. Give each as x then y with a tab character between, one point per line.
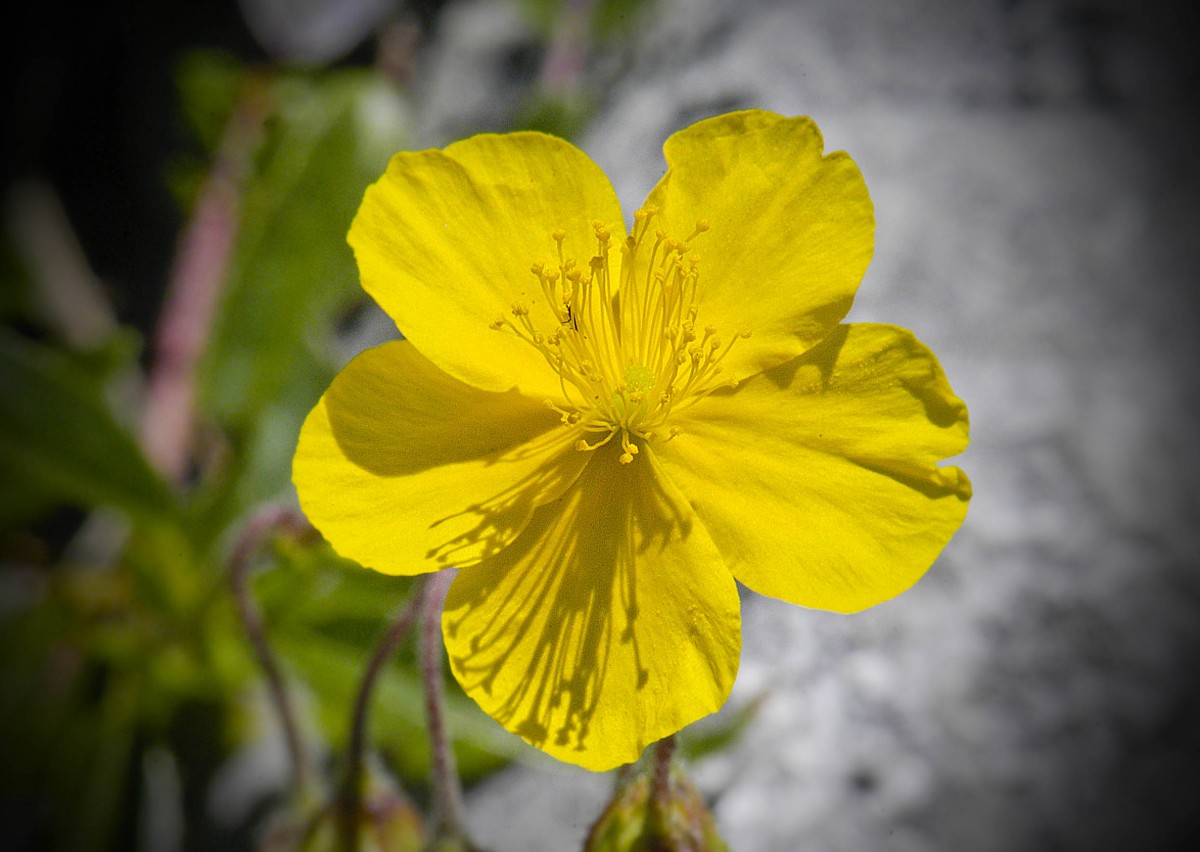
818	480
610	623
790	231
445	241
406	470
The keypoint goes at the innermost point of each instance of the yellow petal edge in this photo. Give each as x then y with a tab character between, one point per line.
445	241
609	624
407	470
791	230
819	479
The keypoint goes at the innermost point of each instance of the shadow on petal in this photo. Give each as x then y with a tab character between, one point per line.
553	637
492	523
451	471
382	425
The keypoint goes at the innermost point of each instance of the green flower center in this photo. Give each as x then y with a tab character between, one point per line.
628	357
639	378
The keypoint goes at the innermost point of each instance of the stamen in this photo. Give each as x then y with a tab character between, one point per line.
628	357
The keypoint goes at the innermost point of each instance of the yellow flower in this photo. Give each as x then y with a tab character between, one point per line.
603	430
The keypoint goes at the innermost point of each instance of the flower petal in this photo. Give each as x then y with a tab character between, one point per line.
445	241
818	480
406	470
791	231
609	624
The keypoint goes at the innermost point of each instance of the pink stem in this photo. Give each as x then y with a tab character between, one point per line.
251	538
563	65
193	290
447	794
351	792
660	782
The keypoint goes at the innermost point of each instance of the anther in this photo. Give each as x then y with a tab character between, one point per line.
670	359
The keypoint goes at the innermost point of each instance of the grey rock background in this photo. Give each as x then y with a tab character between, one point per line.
1031	168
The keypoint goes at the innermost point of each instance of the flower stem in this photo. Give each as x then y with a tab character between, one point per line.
253	535
447	794
660	782
193	290
562	67
350	799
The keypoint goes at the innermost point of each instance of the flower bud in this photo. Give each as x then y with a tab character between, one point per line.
386	821
632	822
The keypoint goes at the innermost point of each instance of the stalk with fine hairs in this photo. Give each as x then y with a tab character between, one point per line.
449	821
660	783
265	522
197	275
350	795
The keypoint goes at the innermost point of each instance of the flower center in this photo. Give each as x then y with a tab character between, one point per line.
628	357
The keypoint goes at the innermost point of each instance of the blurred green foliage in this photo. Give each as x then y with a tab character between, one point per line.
119	638
62	442
606	19
292	274
106	644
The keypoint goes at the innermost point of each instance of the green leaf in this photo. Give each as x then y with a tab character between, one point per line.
59	438
209	82
293	271
69	728
272	350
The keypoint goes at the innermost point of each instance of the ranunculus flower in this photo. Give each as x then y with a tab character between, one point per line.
603	429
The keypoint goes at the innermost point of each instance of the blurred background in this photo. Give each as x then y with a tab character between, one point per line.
177	292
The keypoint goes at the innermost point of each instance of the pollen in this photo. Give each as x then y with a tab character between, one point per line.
622	334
